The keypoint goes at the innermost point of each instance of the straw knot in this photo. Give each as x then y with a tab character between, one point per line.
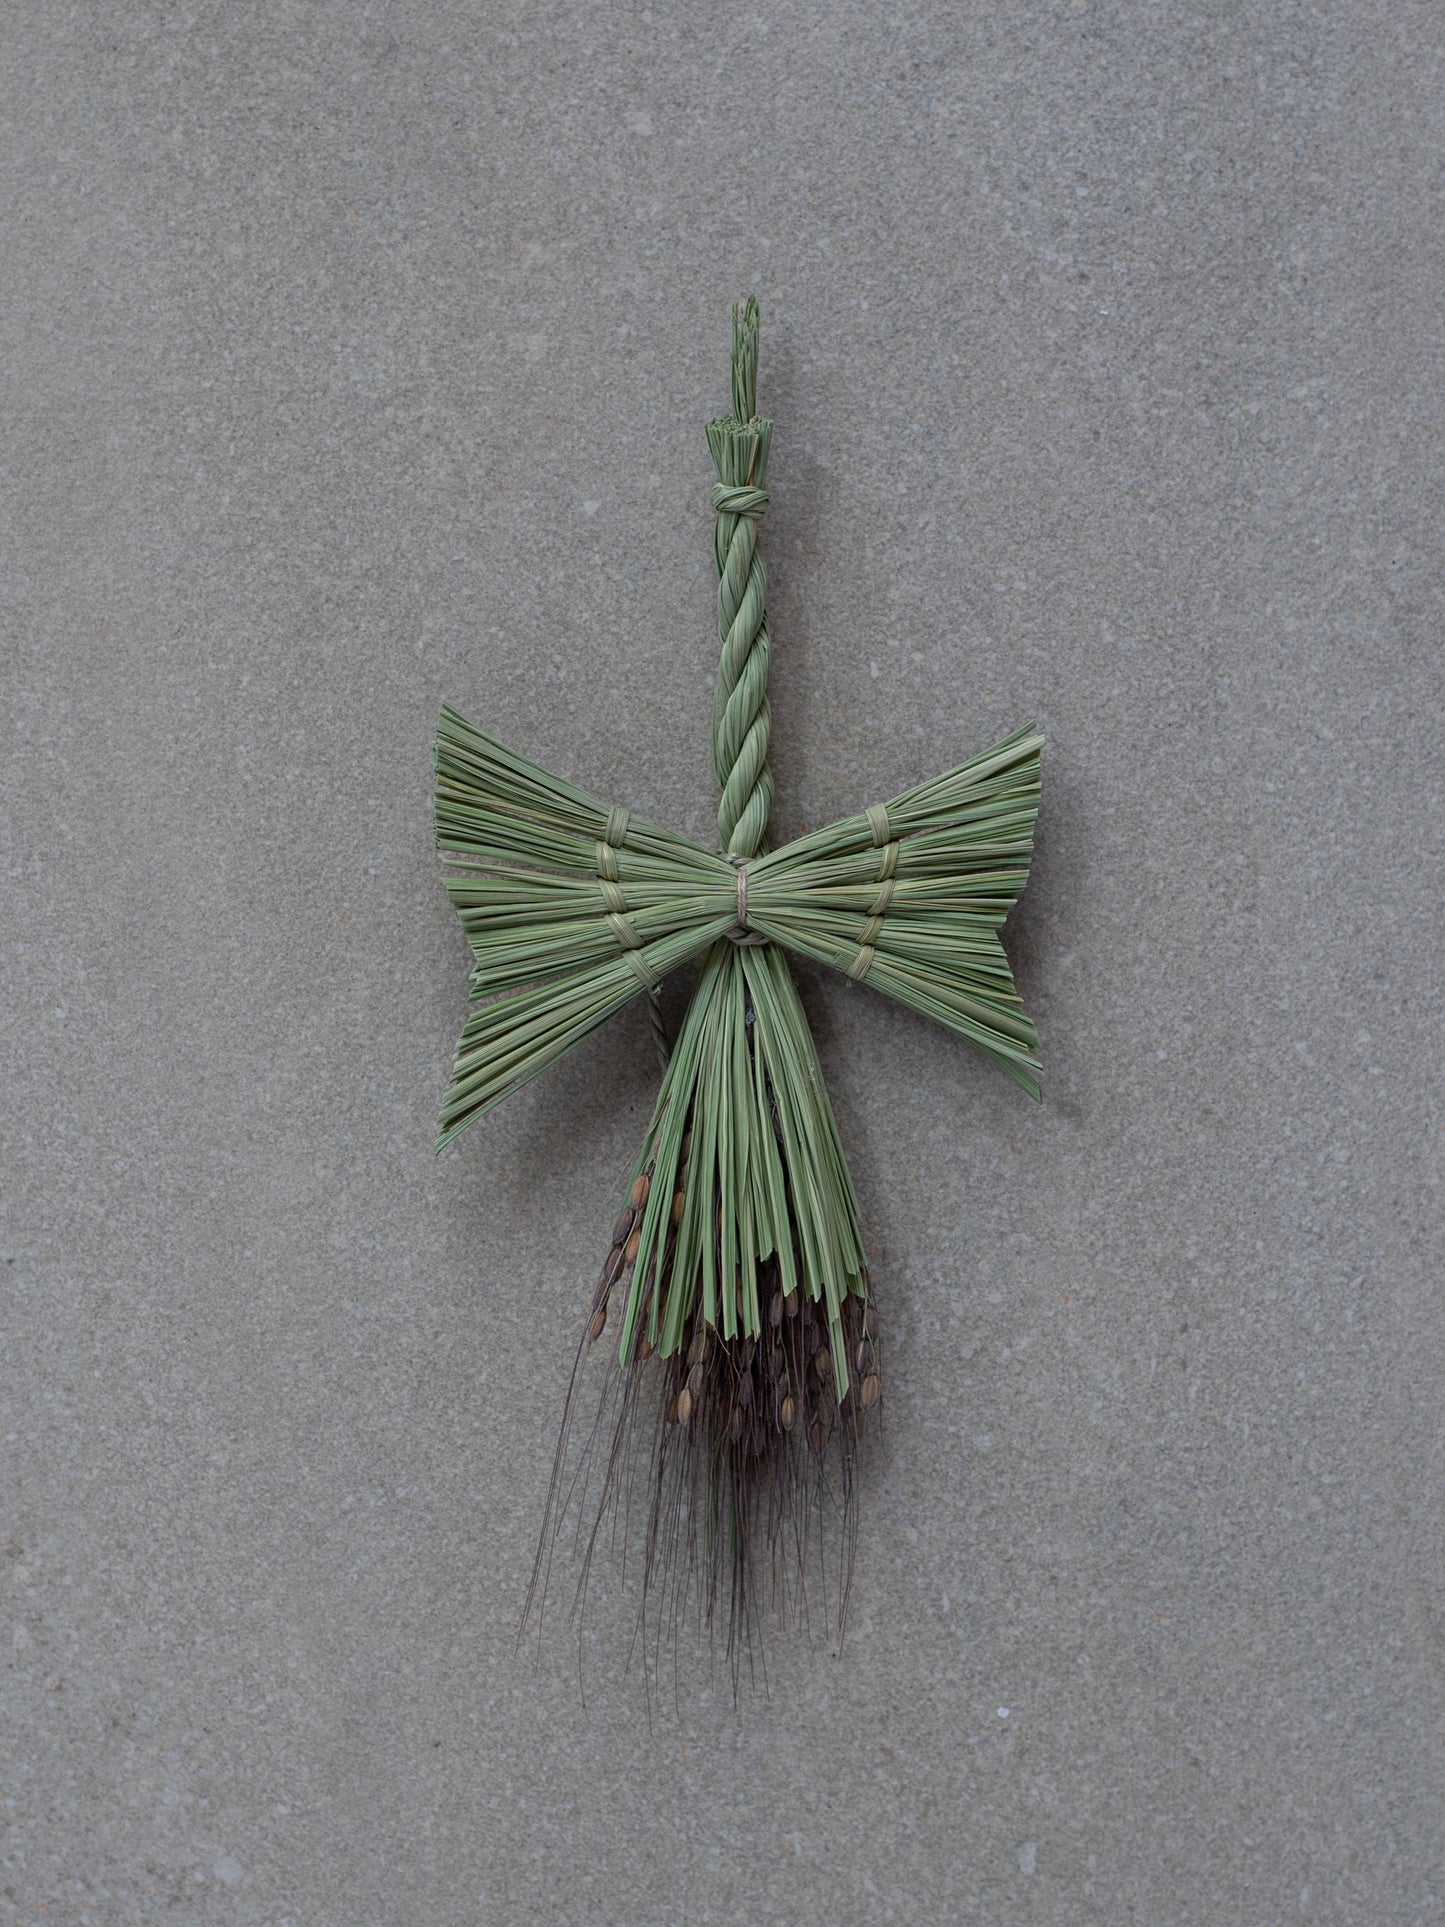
741	499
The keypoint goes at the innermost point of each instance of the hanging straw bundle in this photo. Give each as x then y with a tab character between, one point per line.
735	1276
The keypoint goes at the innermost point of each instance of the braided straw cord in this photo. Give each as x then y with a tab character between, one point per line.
741	720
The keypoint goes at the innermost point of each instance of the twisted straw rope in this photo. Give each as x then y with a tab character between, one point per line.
741	718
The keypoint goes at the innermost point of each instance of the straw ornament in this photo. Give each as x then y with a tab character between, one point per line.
735	1279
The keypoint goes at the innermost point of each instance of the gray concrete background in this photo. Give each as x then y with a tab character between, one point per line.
355	358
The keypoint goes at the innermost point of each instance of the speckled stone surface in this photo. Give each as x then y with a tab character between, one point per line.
355	358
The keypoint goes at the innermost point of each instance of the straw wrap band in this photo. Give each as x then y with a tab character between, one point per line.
888	861
880	902
608	869
617	915
741	933
868	936
873	923
861	964
877	814
646	975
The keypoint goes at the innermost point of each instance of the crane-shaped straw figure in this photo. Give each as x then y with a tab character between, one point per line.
735	1278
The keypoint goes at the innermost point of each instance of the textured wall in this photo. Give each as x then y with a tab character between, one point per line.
355	358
